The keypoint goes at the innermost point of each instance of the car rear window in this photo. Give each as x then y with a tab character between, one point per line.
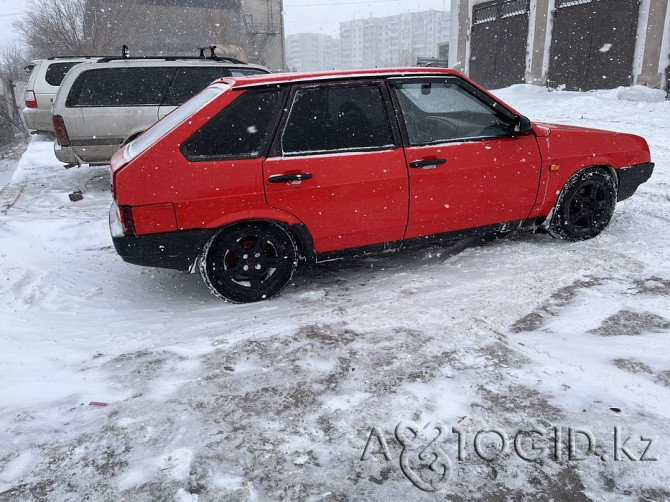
56	72
143	86
188	81
172	120
240	130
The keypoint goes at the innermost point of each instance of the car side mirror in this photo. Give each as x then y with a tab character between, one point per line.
522	124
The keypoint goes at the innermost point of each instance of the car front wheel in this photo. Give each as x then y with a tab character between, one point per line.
249	262
585	205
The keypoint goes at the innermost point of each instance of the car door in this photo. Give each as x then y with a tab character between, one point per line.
338	166
467	166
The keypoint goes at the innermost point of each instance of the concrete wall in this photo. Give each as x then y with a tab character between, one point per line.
181	26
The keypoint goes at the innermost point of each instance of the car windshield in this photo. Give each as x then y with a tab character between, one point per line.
172	120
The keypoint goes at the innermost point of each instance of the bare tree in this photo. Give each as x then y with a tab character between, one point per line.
70	27
12	62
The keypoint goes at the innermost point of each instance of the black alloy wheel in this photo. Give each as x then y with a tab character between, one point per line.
585	205
249	262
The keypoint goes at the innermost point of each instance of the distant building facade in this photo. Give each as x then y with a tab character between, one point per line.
312	52
393	40
579	44
251	30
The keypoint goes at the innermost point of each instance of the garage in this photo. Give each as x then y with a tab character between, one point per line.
593	43
498	47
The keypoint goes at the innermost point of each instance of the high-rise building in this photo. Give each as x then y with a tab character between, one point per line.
312	51
393	40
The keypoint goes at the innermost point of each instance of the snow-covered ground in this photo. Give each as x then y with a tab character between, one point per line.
525	338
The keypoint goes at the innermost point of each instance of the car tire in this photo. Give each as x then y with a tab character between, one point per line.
585	205
249	262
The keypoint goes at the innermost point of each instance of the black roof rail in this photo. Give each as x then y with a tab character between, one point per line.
75	57
170	58
125	54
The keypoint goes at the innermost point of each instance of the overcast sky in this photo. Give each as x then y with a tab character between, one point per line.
316	16
9	11
323	16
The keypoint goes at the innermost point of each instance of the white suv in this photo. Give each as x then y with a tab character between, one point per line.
104	105
45	78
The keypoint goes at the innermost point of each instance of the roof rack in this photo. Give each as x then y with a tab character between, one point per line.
75	57
125	54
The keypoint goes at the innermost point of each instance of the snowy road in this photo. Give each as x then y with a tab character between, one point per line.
517	350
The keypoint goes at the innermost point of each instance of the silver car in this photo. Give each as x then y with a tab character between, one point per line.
104	105
46	76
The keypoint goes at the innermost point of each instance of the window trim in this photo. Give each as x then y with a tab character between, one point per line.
276	149
496	107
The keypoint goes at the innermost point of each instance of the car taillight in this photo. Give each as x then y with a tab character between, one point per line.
126	217
61	131
30	99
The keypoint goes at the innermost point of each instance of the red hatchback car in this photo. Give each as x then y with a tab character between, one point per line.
255	173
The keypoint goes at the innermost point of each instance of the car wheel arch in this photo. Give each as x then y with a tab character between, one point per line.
297	229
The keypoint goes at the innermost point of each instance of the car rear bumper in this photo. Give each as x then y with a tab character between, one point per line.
174	250
632	177
38	120
65	154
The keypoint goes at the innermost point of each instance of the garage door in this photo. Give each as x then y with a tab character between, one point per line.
498	44
593	43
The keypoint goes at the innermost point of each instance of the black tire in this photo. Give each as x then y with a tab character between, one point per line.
249	262
585	205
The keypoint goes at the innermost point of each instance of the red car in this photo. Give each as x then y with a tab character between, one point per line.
255	173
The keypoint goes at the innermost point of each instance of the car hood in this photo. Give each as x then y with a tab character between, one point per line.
599	146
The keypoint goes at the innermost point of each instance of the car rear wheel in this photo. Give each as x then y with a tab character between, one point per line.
585	205
249	262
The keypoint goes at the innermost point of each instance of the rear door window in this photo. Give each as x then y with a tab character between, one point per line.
240	131
188	81
333	118
56	72
121	87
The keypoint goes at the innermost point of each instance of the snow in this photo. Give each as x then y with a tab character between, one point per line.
276	400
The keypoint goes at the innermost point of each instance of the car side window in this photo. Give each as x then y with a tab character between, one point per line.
144	86
435	112
240	131
333	118
56	72
188	81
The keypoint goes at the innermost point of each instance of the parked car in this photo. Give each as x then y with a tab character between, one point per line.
255	173
45	78
101	106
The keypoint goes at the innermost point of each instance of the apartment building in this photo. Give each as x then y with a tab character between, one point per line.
312	52
393	40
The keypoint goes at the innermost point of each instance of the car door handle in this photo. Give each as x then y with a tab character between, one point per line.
284	178
427	163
